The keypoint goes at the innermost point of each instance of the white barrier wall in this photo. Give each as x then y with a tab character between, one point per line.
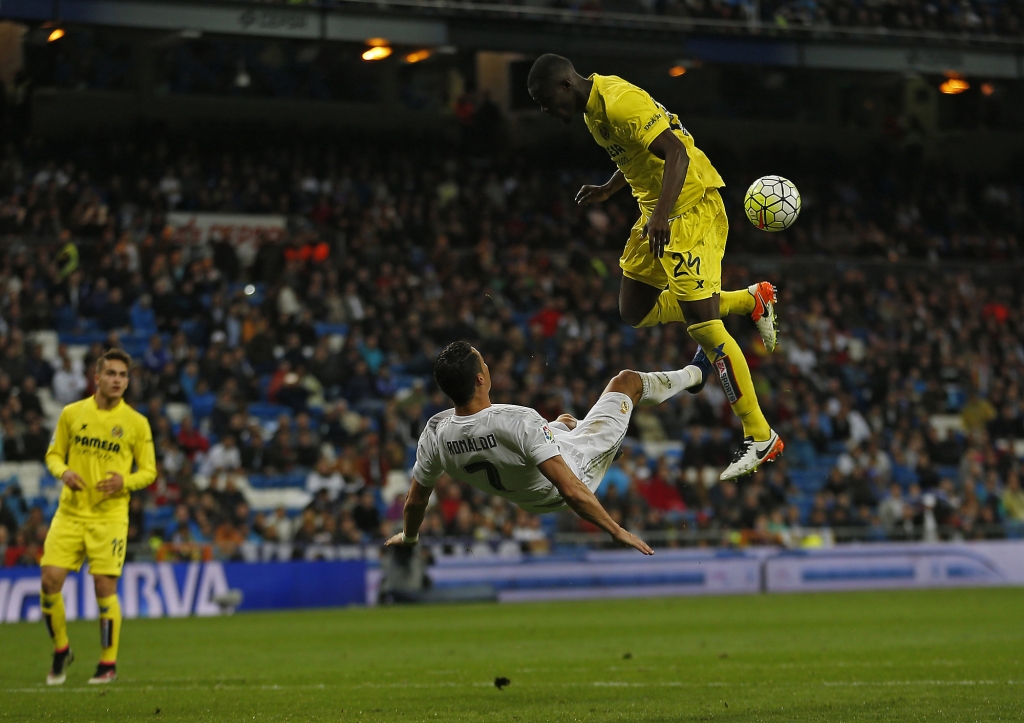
896	566
606	574
708	572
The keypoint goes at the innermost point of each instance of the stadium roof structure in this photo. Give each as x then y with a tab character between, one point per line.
535	29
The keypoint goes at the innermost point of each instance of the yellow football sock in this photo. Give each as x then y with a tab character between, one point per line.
56	622
734	374
110	628
736	302
665	311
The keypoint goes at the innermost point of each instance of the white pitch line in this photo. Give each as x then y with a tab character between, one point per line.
859	683
128	688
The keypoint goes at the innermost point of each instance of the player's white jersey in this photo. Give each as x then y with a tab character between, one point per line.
496	450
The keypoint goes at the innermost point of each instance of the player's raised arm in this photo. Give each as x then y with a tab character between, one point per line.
585	504
415	508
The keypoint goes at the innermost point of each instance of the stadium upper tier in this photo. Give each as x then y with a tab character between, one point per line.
838	19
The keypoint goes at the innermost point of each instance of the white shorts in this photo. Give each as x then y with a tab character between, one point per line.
591	447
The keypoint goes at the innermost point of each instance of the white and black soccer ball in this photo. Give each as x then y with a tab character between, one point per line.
772	203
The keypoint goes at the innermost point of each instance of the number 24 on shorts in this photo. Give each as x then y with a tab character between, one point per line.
692	263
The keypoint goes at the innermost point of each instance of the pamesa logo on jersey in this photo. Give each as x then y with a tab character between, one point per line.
94	443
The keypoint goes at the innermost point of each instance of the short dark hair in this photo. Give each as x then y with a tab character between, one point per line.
547	69
113	355
455	371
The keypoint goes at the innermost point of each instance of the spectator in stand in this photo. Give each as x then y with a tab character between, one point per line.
1013	500
192	442
69	385
35	439
223	456
326	477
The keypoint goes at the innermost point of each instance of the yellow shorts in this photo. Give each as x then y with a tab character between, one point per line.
692	264
71	540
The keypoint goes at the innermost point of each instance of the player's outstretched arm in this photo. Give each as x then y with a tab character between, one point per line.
597	194
585	504
415	508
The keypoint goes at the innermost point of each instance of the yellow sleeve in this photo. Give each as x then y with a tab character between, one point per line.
57	452
145	458
635	114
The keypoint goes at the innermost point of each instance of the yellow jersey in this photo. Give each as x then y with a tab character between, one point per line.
625	120
94	442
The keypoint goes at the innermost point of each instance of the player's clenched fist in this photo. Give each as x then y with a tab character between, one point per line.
71	480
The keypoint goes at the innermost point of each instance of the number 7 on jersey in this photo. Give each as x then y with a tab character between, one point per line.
493	478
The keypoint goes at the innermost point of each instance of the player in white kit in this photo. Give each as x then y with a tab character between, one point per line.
512	452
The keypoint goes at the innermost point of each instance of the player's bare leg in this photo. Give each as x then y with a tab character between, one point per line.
636	301
110	629
52	604
642	305
761	443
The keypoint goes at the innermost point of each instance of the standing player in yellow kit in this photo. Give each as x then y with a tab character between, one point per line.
672	263
91	452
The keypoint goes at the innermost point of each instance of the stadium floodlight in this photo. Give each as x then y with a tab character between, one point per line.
676	70
378	52
57	34
953	86
418	56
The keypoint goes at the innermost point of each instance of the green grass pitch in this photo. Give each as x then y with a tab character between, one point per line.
953	655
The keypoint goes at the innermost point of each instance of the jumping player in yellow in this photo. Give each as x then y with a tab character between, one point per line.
91	452
672	263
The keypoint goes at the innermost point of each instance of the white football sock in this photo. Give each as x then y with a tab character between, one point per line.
659	386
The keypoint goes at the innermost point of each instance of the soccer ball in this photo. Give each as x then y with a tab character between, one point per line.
772	203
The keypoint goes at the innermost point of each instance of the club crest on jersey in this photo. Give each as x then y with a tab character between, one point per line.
548	435
624	408
604	132
117	433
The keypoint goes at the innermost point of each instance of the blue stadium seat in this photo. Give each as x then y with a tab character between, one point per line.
202	406
904	476
324	329
808	481
86	338
266	412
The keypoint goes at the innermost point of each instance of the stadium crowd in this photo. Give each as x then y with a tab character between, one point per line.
304	358
888	205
